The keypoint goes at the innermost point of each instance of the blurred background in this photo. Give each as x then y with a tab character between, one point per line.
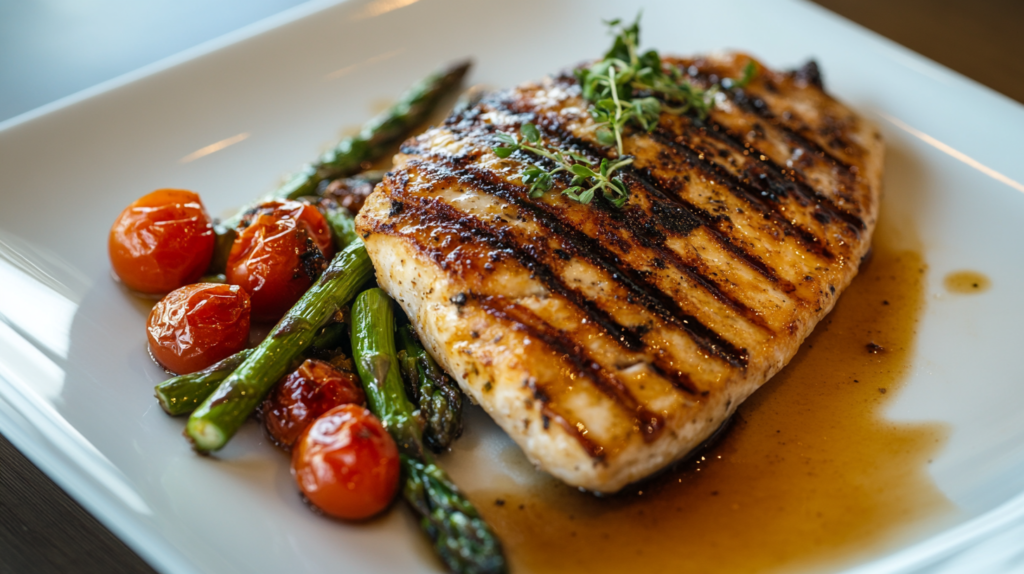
51	49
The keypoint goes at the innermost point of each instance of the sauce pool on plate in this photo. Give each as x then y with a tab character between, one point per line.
966	282
811	474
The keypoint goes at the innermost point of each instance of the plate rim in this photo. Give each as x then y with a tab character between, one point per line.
30	439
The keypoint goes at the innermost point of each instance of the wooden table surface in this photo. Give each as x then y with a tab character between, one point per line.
42	530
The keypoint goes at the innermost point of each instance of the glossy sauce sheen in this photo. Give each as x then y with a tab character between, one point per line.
810	475
966	282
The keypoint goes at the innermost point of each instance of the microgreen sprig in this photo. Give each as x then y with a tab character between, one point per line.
625	87
586	182
749	73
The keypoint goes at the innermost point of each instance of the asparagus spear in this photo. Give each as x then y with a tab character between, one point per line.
439	400
182	394
343	225
217	419
463	541
386	129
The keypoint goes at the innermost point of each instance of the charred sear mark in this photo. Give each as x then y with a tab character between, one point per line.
674	217
396	208
593	449
762	202
642	291
311	261
437	214
790	181
530	257
759	107
563	344
662	192
579	244
809	74
669	211
647	230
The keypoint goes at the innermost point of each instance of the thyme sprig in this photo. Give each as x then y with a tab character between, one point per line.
625	87
586	182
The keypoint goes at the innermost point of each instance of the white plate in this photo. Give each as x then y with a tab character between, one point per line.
75	381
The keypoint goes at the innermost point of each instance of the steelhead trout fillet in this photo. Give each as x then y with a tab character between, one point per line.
609	342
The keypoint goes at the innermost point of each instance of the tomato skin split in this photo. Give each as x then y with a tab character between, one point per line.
197	325
303	395
162	241
346	464
281	249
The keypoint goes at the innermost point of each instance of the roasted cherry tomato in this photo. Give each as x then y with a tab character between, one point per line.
161	241
310	391
281	249
346	463
197	325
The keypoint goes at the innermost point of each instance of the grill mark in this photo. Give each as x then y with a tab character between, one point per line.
682	223
742	190
500	238
654	187
668	372
759	107
649	424
654	240
802	187
653	298
527	256
592	449
689	212
712	287
797	183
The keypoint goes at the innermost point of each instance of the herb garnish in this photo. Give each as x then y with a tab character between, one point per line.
749	72
625	86
585	182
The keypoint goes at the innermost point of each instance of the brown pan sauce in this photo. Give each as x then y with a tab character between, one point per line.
811	474
966	282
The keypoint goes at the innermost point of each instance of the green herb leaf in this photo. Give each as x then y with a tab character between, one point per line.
613	84
530	132
605	136
749	73
505	138
582	170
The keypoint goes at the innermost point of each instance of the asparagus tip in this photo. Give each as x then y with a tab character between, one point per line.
457	70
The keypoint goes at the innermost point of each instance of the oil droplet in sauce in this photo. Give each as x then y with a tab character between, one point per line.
966	282
811	474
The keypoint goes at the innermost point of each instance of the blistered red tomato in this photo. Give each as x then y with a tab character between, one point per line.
161	241
346	463
303	395
278	254
197	325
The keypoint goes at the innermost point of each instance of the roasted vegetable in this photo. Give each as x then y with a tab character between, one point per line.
217	419
461	538
432	390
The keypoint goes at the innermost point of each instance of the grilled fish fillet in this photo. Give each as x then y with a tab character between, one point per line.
610	342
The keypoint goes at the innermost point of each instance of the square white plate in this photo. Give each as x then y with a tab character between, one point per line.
75	380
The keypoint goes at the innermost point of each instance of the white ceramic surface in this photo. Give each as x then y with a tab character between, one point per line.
75	380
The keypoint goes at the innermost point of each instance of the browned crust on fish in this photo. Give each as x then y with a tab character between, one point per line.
610	342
